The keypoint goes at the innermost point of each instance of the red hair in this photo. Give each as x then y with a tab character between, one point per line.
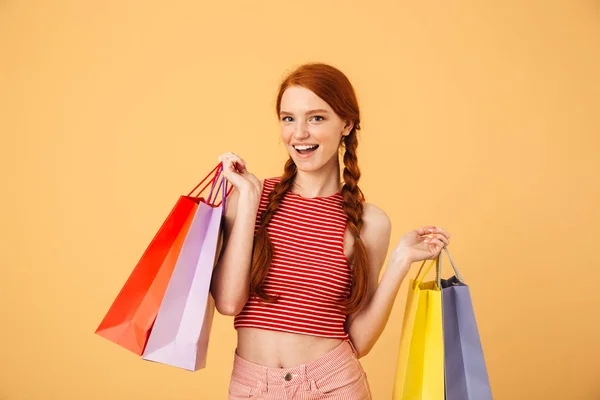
331	85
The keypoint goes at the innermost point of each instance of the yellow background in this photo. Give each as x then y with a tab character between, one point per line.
479	116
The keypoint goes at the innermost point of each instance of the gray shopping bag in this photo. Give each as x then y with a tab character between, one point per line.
466	376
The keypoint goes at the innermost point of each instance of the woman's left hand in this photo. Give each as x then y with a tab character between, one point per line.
424	243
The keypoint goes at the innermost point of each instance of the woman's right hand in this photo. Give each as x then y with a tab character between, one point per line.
235	171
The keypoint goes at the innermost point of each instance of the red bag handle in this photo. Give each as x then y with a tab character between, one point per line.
216	172
209	182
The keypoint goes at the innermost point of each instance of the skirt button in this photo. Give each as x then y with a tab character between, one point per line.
287	377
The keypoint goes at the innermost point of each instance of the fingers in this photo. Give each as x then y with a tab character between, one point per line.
434	235
231	156
232	162
435	247
424	230
432	229
438	230
437	239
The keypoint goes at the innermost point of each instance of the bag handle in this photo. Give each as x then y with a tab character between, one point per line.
419	278
438	277
438	270
214	181
222	186
215	173
219	166
225	193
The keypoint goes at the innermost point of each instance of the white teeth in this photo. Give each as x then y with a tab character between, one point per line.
305	147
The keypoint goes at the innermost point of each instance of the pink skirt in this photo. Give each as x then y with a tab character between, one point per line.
336	374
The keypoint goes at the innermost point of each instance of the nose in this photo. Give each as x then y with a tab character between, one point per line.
300	131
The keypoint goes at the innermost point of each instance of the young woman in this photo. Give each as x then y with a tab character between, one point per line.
302	253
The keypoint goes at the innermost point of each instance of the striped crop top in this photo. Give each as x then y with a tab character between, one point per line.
309	270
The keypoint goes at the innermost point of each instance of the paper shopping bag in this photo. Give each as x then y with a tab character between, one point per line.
180	334
465	368
420	366
130	317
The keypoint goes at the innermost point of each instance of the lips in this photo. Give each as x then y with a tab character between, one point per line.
305	149
305	146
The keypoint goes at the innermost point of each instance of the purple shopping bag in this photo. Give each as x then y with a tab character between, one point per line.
181	331
466	376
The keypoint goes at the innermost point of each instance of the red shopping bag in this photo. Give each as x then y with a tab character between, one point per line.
130	318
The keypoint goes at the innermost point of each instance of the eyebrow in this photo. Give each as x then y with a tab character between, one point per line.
318	110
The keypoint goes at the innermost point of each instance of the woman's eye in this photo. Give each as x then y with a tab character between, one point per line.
316	116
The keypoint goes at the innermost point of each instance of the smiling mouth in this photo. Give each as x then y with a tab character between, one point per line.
306	149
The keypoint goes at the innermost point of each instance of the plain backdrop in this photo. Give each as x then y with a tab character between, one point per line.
482	117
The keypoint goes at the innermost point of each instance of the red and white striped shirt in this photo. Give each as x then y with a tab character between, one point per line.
309	271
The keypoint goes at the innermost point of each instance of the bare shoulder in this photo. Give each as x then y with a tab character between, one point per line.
376	234
376	221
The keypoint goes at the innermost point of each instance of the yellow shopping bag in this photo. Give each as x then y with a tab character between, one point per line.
420	366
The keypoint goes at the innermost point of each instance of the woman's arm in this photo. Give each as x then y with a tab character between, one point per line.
231	277
367	324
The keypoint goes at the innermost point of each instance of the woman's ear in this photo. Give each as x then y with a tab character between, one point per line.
347	128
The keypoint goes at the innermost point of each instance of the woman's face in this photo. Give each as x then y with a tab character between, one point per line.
310	129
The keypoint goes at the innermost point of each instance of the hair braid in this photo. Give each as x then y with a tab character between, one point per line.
263	249
353	207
